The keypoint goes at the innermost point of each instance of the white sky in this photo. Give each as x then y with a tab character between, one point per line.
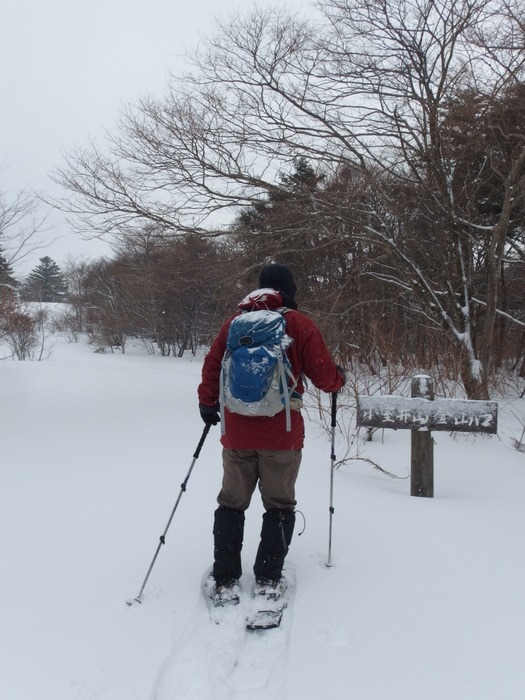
66	68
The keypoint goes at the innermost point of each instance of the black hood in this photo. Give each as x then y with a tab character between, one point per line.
279	277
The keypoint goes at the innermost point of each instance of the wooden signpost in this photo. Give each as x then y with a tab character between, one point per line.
421	414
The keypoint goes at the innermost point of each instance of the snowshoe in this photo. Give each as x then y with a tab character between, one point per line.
269	603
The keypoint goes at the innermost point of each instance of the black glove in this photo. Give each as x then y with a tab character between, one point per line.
210	414
342	373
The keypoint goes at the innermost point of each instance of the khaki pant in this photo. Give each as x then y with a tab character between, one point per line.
274	470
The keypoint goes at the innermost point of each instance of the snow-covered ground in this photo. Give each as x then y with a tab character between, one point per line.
426	597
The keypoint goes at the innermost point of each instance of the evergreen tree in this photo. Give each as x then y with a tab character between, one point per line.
45	283
6	273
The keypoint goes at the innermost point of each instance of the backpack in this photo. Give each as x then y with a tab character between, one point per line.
255	369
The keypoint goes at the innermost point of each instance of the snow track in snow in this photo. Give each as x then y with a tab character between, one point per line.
225	661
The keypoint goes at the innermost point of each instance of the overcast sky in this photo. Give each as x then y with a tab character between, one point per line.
66	68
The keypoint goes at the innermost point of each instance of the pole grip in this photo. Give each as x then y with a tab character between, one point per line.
334	409
201	441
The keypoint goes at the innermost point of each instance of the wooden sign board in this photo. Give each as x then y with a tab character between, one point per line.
420	414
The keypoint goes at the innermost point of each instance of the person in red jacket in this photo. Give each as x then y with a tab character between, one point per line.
259	450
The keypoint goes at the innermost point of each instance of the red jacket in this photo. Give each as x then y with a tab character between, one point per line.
308	355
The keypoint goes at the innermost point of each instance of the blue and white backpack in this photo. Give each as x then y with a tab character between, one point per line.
256	376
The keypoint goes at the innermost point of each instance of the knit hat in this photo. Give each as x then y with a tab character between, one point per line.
280	278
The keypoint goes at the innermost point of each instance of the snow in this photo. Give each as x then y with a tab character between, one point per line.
259	296
425	598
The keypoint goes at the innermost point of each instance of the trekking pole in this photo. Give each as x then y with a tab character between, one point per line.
162	539
332	466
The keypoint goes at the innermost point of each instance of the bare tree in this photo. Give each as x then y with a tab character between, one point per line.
18	328
367	95
20	222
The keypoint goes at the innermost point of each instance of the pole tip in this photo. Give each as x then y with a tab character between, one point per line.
132	601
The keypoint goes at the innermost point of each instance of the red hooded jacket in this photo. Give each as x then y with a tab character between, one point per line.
307	354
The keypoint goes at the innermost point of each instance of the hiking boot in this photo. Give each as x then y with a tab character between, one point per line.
270	589
226	594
